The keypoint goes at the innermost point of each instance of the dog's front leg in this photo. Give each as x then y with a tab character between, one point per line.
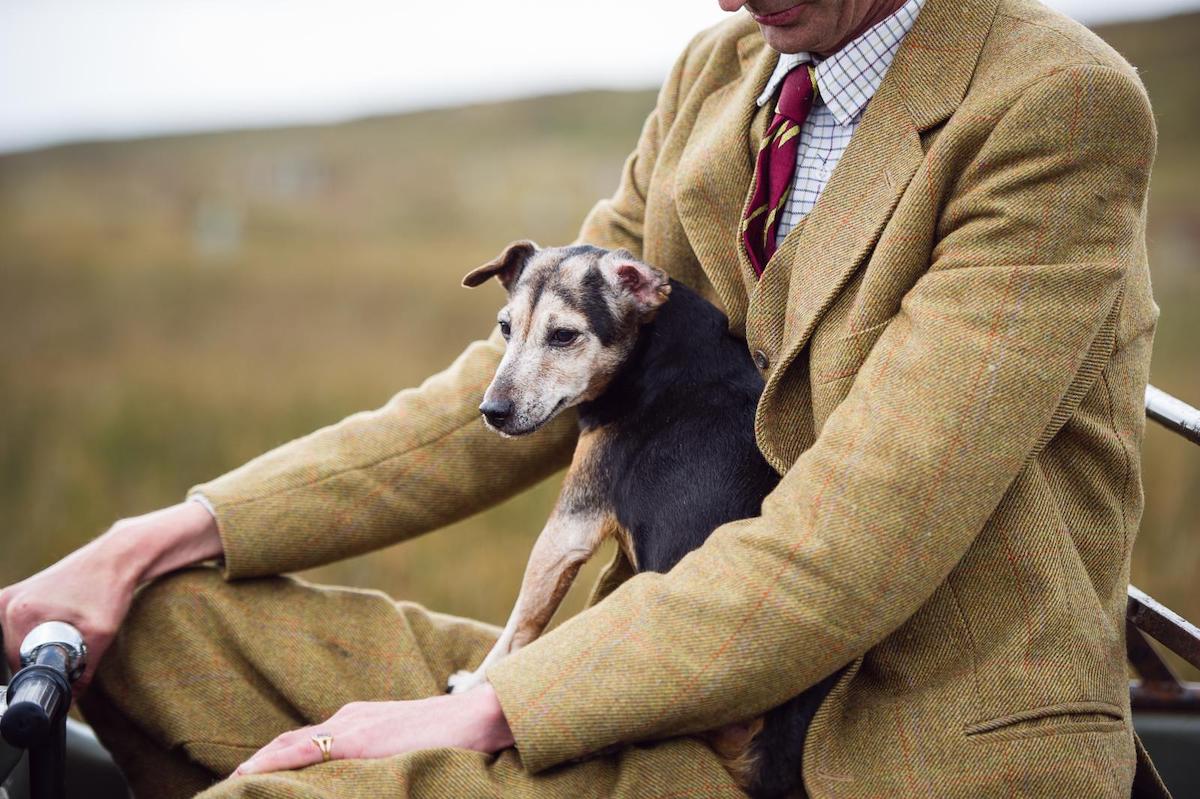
567	541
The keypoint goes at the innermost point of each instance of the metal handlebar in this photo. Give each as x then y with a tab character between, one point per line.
1173	414
53	655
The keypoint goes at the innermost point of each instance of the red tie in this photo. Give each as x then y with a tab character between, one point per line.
775	168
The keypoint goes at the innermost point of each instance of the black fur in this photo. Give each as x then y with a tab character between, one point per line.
591	303
680	459
601	320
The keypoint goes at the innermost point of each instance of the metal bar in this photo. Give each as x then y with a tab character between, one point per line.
1154	671
1164	625
1173	414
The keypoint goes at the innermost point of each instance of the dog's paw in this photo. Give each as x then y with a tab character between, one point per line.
462	681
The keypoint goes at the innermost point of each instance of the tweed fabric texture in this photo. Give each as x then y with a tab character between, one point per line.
958	338
208	671
848	80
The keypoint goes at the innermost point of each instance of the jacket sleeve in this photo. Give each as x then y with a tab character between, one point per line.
1024	285
423	460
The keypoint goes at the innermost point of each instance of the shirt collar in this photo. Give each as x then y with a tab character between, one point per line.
848	79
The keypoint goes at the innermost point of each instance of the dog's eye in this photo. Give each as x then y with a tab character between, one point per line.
562	337
505	330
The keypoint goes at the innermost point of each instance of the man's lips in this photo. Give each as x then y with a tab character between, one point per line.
784	17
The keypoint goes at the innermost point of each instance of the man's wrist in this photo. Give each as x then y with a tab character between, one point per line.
145	547
494	732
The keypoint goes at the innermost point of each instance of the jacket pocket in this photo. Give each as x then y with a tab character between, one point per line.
843	357
1059	719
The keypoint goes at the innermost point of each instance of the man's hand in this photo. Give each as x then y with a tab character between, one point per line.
93	587
473	720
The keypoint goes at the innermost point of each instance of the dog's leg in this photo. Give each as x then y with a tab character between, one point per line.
567	541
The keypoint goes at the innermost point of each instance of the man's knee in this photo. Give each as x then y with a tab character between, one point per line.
184	611
162	612
171	602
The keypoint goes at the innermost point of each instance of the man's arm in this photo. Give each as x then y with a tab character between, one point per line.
1017	306
423	460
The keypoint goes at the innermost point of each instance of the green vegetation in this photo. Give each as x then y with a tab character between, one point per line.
171	307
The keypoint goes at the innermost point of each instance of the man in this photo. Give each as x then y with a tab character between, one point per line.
955	339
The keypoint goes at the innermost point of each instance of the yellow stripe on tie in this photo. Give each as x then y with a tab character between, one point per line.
788	136
784	128
774	212
767	225
771	136
757	212
783	200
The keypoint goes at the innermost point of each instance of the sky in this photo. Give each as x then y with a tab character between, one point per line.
83	69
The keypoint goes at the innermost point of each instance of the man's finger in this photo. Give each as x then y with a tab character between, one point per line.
12	651
281	757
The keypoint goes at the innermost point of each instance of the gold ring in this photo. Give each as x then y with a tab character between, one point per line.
324	742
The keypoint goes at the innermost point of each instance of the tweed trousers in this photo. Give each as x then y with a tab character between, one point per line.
204	672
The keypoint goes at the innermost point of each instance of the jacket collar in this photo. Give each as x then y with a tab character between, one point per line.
935	64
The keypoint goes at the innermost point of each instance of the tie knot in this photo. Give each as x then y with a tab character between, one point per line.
796	94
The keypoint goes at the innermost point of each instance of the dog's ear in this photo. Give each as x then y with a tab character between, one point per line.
506	266
649	287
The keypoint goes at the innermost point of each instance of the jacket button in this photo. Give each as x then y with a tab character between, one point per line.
761	360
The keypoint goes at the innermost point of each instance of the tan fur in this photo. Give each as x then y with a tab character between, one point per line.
732	745
564	546
624	540
568	541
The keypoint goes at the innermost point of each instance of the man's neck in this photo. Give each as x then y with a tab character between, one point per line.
880	10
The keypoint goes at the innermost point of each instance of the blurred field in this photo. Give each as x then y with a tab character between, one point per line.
171	307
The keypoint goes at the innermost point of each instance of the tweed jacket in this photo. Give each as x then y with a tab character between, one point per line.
956	343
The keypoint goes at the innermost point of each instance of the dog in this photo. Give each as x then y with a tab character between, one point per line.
666	452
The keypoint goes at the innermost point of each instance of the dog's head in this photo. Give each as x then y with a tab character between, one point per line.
572	318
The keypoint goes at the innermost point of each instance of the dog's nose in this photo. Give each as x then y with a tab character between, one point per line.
496	411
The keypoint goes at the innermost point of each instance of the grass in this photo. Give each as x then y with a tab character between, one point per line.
171	307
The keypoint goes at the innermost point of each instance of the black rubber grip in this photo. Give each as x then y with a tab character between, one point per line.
37	698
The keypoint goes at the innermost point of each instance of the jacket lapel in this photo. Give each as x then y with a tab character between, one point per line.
925	84
714	174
